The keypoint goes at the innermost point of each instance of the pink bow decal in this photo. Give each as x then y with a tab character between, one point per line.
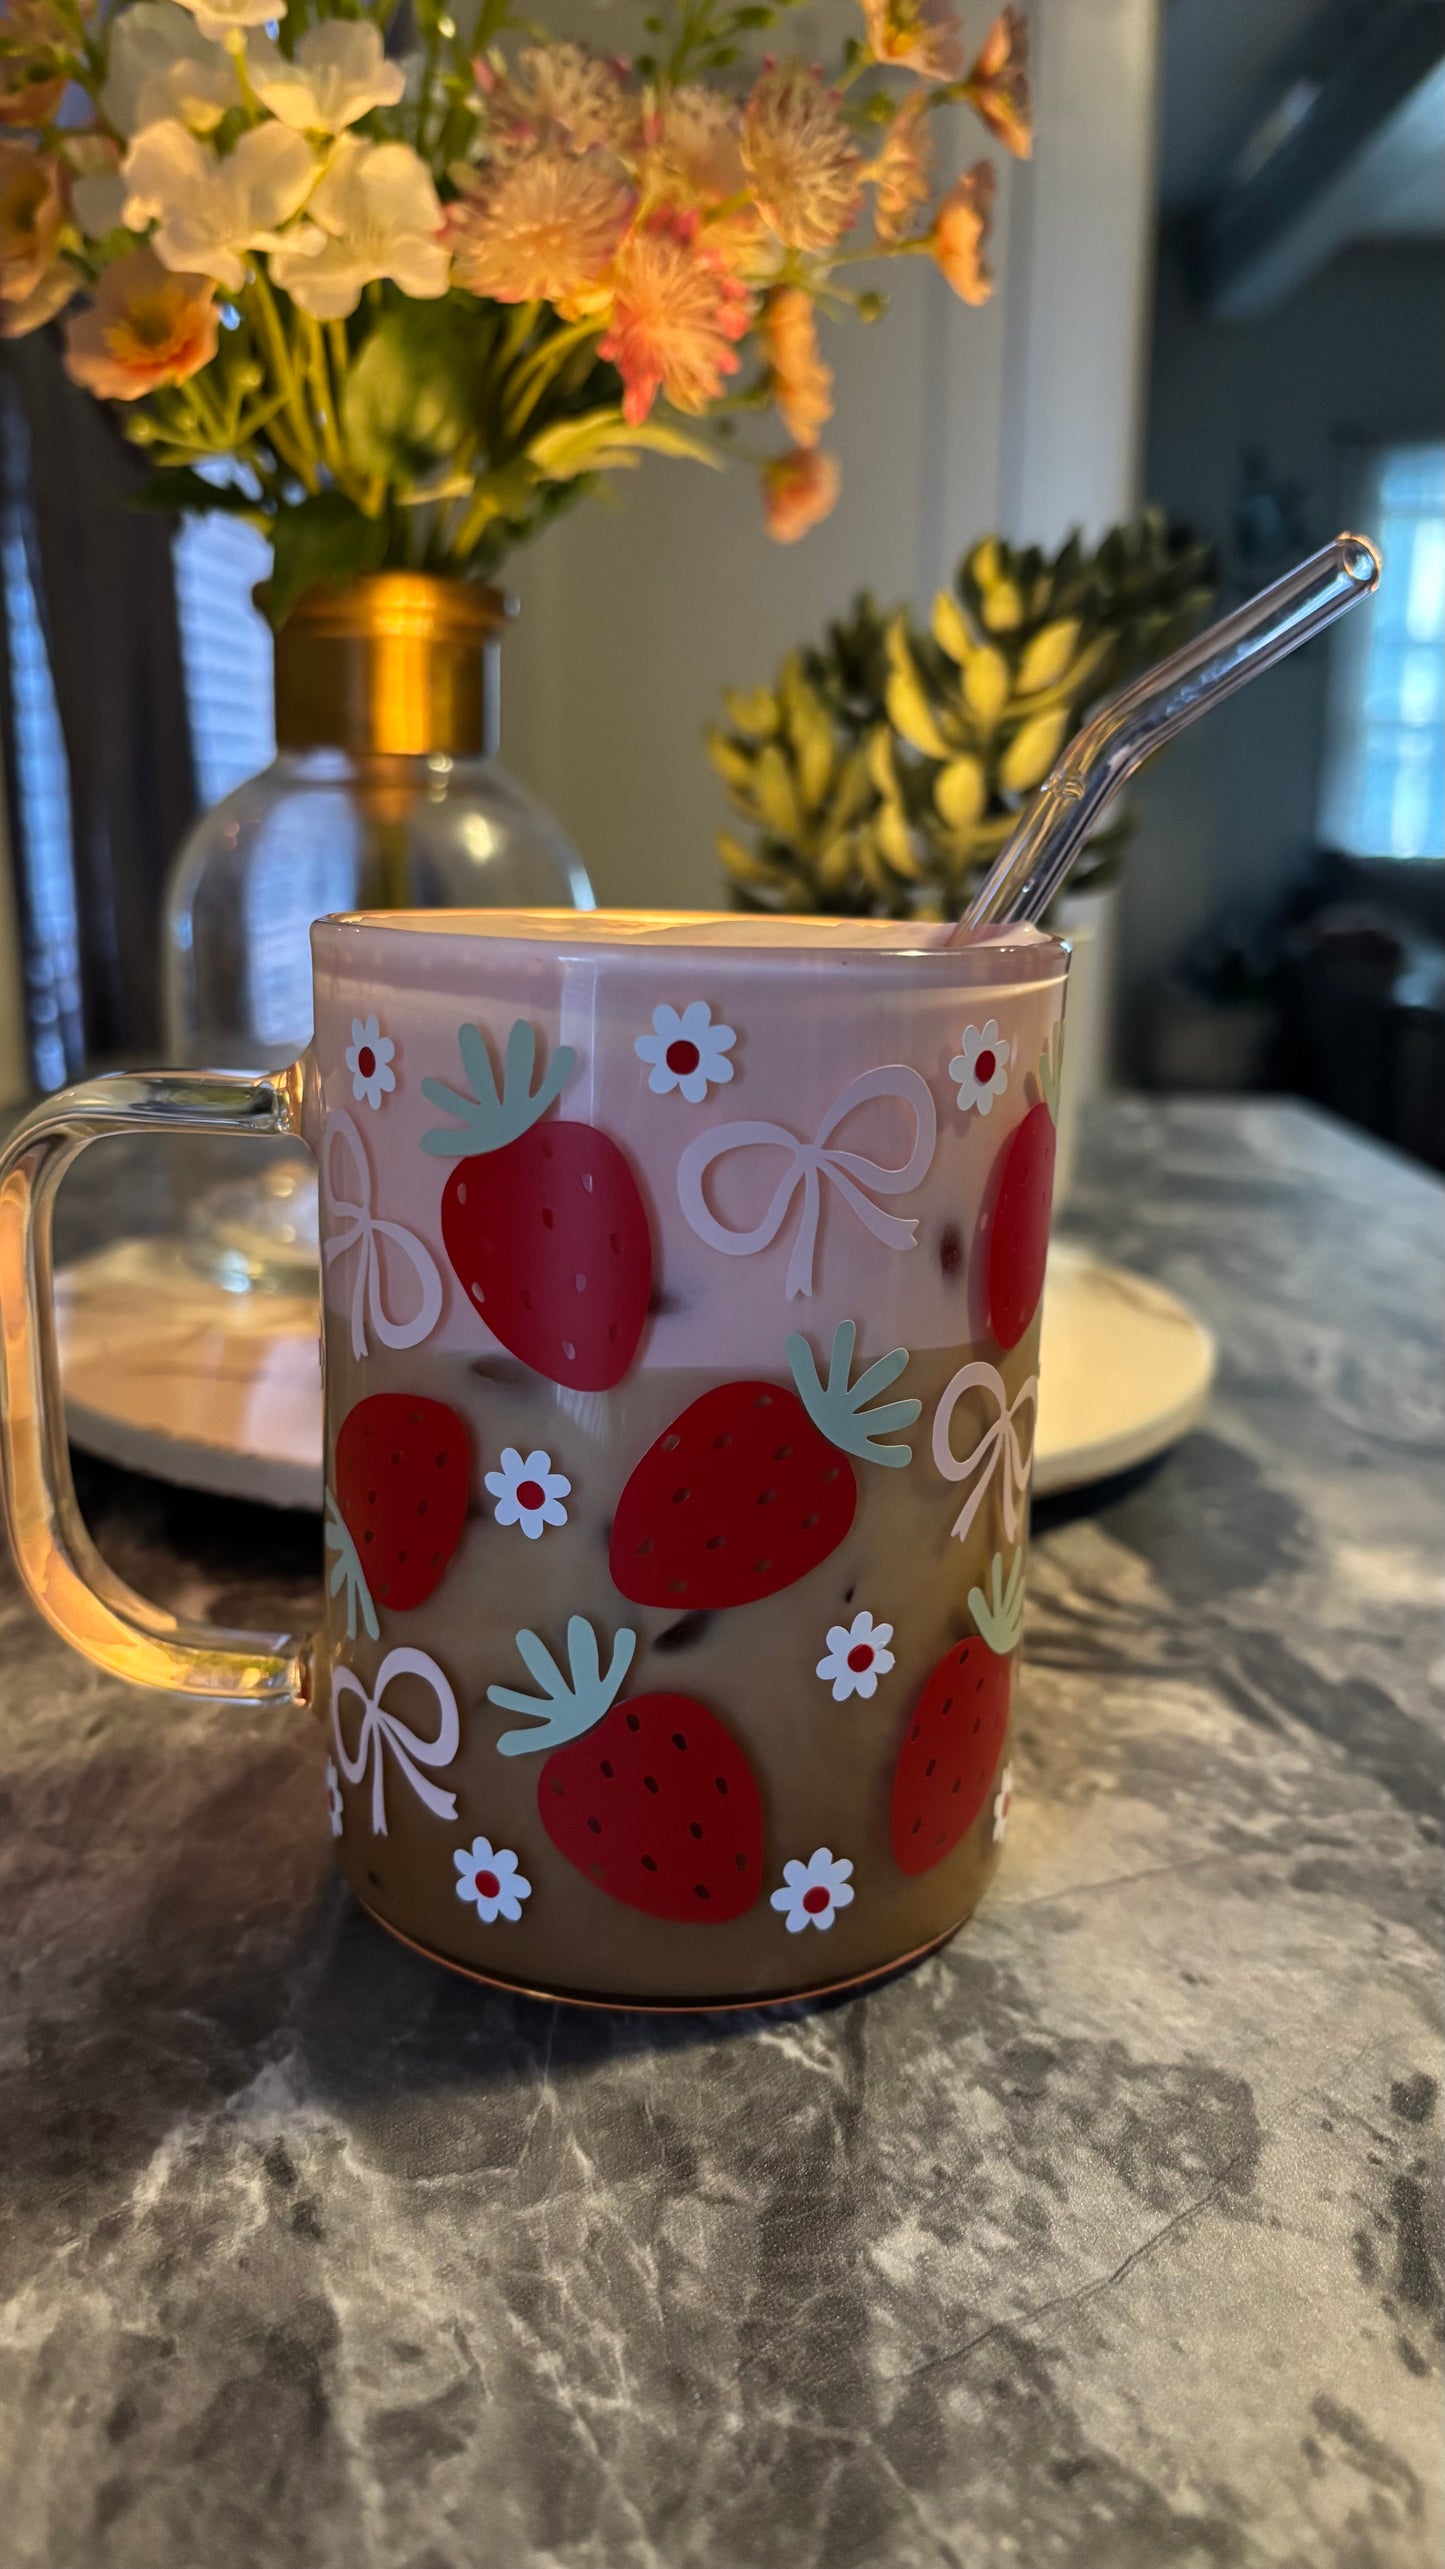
999	1443
857	1178
381	1730
357	1227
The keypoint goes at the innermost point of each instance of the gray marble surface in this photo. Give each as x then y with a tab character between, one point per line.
1107	2239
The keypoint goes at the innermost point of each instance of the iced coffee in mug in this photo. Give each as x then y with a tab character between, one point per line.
681	1284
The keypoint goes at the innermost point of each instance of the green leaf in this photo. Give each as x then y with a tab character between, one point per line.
950	628
811	735
746	868
320	540
908	708
602	442
960	792
891	836
1049	658
776	794
986	685
909	713
733	764
412	392
1031	752
754	714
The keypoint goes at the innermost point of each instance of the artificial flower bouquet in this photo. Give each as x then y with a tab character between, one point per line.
399	307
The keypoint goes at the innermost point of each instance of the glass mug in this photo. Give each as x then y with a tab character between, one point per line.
681	1285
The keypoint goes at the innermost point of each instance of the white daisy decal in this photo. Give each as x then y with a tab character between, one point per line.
812	1894
980	1071
528	1492
856	1657
489	1878
1003	1802
335	1807
369	1057
687	1052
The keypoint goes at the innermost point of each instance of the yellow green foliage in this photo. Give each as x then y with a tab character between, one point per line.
885	767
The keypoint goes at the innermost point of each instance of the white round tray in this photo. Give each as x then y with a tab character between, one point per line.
168	1373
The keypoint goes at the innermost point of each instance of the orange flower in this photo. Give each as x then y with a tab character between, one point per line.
33	51
50	294
542	228
959	239
800	156
900	174
559	96
675	315
693	164
916	35
147	326
999	83
31	215
802	384
693	132
799	490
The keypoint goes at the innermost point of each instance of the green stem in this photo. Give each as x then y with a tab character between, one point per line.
919	247
299	432
428	75
323	398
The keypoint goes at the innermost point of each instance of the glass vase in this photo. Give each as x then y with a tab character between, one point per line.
385	794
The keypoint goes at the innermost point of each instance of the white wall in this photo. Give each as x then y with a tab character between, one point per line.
1022	417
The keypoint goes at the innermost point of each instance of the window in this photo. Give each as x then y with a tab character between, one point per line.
1384	778
226	645
41	781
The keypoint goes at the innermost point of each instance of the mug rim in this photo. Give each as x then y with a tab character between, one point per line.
761	943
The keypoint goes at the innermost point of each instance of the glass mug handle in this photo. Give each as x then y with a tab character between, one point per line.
66	1578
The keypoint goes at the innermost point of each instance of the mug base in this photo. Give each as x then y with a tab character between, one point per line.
667	2006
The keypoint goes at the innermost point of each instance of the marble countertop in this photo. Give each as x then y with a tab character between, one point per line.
1109	2238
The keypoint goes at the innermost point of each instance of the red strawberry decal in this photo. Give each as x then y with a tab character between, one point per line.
402	1478
543	1223
751	1486
652	1799
956	1731
1016	1228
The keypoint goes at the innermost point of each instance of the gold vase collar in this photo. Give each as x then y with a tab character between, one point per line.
389	666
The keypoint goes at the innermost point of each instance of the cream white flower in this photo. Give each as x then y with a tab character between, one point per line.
335	1806
222	19
491	1879
856	1657
160	65
687	1052
1003	1802
207	210
980	1071
375	214
811	1894
97	190
369	1057
528	1492
339	72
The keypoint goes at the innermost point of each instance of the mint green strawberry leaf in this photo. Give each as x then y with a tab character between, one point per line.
840	1410
564	1707
488	1121
1051	1070
1000	1615
348	1574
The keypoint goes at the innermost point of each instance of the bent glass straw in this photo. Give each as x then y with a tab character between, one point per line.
1033	864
